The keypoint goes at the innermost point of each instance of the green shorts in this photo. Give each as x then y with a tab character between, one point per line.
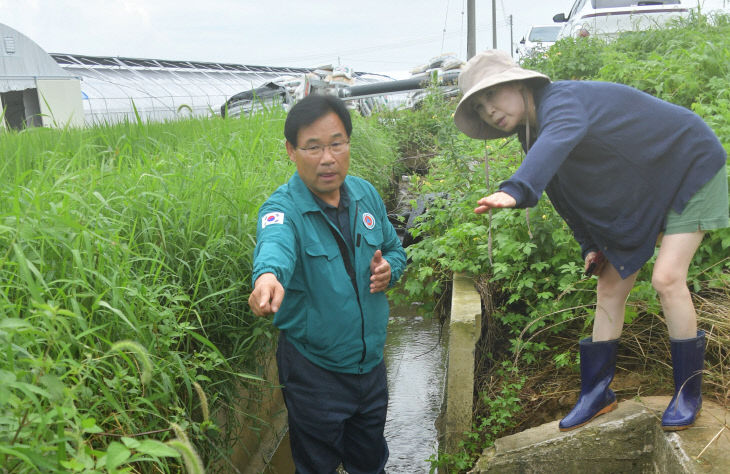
706	210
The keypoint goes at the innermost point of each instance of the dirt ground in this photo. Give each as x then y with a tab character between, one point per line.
643	365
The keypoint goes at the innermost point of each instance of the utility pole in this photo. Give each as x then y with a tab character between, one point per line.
494	24
471	35
511	39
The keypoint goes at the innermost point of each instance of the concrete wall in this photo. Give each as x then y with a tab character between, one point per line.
464	331
259	422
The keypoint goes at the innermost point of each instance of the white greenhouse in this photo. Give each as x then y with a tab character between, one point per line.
52	89
34	89
113	87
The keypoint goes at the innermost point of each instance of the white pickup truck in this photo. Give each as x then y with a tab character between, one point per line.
608	18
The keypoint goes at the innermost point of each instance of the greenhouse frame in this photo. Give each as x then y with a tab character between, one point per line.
57	89
113	87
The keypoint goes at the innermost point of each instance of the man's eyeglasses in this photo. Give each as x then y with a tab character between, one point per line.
336	148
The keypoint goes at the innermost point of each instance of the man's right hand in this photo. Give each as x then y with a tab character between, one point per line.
266	296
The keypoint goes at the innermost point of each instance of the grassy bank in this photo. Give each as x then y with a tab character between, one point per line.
125	265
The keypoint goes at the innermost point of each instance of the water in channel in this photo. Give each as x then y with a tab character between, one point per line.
415	356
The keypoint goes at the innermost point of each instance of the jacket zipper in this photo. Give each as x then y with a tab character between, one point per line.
346	260
357	293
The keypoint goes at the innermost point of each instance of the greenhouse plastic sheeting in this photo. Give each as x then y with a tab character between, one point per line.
160	90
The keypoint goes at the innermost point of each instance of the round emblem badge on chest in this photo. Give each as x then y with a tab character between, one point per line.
368	220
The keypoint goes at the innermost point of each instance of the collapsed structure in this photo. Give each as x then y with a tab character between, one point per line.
54	89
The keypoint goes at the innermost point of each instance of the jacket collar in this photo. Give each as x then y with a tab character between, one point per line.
304	199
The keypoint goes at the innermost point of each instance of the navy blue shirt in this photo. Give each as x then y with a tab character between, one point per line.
613	160
340	215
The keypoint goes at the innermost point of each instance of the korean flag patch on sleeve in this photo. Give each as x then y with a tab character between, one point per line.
272	218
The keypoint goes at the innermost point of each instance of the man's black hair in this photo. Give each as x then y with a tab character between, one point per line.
312	108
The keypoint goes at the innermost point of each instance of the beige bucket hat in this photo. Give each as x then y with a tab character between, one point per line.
484	70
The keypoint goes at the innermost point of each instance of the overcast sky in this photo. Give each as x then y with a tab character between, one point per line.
368	35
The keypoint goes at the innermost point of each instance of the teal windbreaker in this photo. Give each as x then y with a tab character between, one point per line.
330	323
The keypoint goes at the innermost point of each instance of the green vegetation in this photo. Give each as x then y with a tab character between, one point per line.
125	266
528	267
125	255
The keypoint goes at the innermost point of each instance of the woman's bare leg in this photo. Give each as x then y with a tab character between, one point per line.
669	279
613	292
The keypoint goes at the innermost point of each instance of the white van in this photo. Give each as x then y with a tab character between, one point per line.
608	18
538	40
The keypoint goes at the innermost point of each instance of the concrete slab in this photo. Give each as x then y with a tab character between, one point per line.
705	448
620	441
628	439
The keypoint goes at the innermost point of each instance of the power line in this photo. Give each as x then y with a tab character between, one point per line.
461	38
446	20
505	18
341	52
396	44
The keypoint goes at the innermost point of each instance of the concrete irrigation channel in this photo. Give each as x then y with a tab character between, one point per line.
431	382
430	391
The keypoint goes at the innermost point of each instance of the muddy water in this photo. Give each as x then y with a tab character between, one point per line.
415	357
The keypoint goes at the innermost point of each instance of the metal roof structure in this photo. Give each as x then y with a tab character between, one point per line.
113	87
34	89
38	88
22	61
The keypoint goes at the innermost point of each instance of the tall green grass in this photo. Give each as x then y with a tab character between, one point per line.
125	266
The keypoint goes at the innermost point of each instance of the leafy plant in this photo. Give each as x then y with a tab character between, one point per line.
529	258
570	58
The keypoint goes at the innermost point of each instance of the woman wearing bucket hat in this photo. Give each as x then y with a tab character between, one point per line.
621	167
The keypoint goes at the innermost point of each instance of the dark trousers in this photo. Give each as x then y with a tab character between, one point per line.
333	417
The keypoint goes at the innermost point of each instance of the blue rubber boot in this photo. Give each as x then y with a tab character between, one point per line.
688	359
597	366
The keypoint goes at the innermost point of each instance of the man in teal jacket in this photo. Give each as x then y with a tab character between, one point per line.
325	254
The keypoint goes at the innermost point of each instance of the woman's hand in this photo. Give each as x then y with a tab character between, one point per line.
498	199
594	263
